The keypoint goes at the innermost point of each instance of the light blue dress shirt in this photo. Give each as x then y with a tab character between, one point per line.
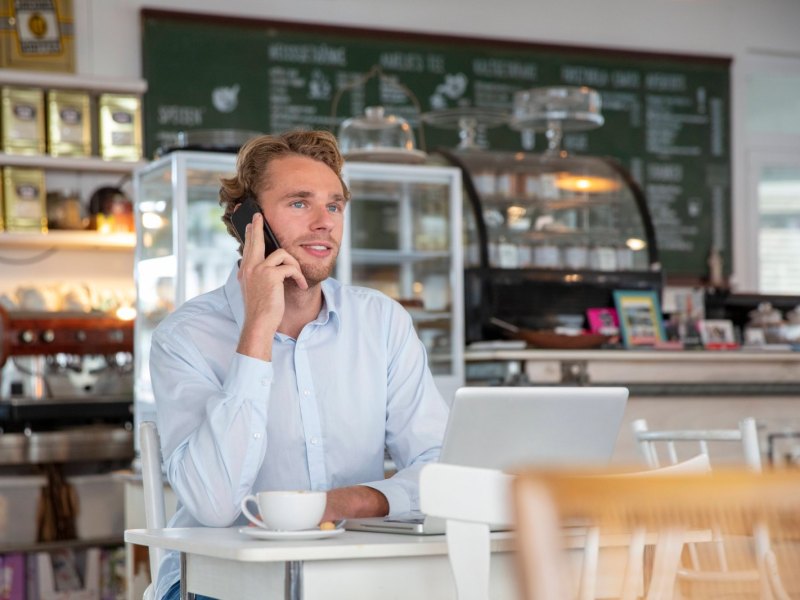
317	417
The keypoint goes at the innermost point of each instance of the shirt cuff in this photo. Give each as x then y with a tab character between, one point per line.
248	377
399	502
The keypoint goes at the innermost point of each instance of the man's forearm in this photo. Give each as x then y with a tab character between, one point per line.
355	502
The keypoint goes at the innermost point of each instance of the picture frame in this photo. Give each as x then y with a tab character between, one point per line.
717	334
603	321
641	323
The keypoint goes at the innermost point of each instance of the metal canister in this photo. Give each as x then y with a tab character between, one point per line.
37	35
24	199
23	120
69	131
120	119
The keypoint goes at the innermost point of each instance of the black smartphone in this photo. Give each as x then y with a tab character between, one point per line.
244	215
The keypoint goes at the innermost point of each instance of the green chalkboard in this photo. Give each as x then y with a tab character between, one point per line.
667	117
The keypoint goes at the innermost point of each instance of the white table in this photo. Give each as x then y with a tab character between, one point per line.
226	564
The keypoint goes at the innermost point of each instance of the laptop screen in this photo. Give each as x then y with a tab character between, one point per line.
510	427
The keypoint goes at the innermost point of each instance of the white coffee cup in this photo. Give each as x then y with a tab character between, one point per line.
286	510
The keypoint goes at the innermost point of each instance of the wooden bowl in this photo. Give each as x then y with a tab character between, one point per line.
559	341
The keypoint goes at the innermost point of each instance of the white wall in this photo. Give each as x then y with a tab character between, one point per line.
108	36
108	31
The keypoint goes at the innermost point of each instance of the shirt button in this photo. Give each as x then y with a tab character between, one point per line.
314	441
306	392
257	435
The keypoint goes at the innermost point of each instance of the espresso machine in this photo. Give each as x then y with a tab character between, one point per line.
66	387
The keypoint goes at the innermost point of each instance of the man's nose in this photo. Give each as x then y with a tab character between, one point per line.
323	218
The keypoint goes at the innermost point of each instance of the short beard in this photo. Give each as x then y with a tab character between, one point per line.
315	275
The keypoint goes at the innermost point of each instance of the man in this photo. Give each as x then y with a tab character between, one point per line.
283	378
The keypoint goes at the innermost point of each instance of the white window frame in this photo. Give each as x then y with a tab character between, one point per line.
755	152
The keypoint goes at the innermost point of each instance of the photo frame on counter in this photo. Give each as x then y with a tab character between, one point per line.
717	334
641	323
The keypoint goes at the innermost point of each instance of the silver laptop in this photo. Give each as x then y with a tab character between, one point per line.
510	427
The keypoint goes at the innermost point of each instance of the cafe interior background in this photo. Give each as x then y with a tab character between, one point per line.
86	376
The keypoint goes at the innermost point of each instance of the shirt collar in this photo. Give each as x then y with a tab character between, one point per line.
330	295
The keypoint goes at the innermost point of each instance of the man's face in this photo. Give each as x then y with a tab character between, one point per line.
304	203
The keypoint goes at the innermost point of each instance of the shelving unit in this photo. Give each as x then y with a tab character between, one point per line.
76	240
82	173
61	544
72	82
93	164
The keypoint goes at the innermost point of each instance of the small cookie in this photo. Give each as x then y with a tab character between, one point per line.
327	525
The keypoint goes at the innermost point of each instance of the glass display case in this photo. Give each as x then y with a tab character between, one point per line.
403	237
548	236
182	247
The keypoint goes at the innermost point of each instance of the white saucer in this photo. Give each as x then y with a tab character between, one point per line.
303	534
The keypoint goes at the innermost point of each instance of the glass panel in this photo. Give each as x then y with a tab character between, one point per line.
430	217
156	267
374	223
773	103
779	229
384	278
433	319
555	212
210	251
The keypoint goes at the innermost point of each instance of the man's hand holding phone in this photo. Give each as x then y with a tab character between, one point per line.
262	284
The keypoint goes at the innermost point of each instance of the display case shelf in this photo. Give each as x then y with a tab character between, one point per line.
394	257
423	316
68	239
550	203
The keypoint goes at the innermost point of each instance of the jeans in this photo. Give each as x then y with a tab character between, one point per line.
174	593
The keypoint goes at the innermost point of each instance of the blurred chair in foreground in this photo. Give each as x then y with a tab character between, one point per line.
554	512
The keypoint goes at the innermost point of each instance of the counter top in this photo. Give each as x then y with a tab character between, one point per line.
645	372
671	356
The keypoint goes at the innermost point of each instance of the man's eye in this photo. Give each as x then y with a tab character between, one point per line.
298	204
334	208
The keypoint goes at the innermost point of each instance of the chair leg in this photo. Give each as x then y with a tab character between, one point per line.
634	570
468	546
771	578
665	565
185	595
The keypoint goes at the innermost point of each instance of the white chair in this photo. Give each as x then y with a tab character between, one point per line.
470	499
152	483
696	441
676	441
